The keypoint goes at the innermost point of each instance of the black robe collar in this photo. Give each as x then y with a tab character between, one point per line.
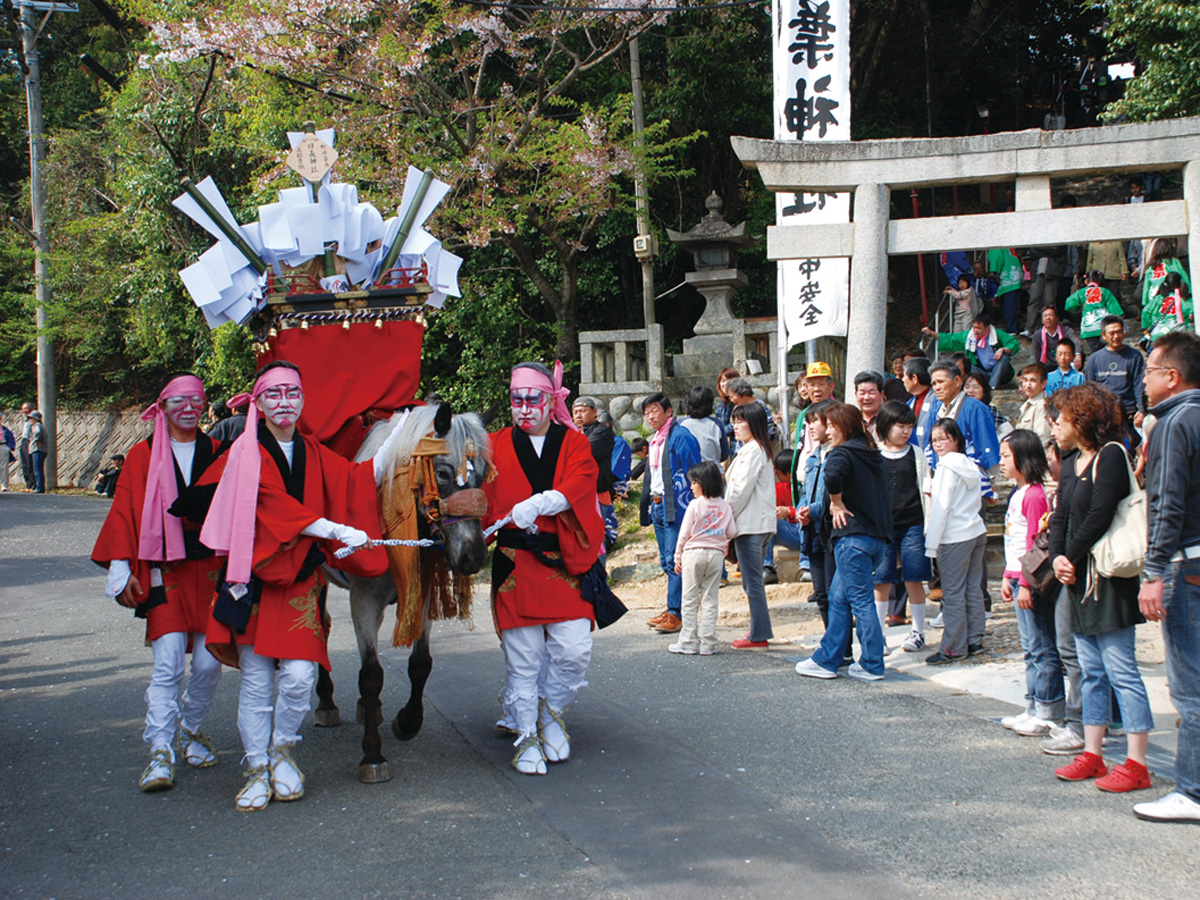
293	475
539	470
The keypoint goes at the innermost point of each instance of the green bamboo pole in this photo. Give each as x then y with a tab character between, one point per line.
407	222
228	230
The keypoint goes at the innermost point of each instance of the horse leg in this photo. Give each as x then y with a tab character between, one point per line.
327	713
420	663
366	608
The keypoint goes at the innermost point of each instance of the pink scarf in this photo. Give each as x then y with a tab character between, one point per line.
659	442
161	488
1046	335
229	527
533	380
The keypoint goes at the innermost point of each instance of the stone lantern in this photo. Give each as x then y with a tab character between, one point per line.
713	243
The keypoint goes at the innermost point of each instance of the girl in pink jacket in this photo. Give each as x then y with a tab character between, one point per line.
704	534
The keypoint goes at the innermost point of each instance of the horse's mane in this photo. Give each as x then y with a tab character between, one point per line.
466	441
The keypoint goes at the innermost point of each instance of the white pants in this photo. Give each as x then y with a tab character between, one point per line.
162	696
296	678
544	661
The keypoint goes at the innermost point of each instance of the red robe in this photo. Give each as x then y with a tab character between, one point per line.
288	622
525	591
189	583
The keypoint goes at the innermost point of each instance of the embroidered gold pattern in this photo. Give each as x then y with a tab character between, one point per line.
308	606
510	583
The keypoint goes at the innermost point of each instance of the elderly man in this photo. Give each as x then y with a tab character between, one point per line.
741	393
23	445
1170	590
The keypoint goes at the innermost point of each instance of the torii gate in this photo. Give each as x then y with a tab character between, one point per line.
872	169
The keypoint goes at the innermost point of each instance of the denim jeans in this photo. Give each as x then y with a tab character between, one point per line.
750	549
667	536
853	591
1181	634
1067	655
39	470
1043	669
1110	659
787	534
1000	373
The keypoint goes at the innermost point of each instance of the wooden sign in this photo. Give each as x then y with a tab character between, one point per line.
312	158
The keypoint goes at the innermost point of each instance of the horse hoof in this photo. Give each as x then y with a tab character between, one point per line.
374	773
407	728
327	718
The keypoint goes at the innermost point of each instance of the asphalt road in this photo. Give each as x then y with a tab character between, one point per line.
694	778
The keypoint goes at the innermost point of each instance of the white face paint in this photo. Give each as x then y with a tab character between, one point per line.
184	412
282	405
530	410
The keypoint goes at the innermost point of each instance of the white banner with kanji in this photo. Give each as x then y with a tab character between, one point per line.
812	103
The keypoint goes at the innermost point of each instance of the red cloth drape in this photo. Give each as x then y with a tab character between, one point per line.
347	371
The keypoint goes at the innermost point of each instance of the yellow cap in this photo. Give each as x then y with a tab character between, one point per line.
818	370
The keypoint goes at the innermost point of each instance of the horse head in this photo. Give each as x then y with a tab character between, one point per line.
452	502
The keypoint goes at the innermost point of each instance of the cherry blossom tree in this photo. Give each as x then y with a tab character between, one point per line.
522	108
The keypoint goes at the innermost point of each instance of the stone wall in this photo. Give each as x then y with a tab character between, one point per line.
85	442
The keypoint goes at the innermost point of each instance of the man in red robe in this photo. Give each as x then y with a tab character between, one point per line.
546	476
280	496
158	568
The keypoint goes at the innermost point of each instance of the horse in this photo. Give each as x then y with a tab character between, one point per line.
449	511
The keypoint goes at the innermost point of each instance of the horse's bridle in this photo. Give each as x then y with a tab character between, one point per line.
438	511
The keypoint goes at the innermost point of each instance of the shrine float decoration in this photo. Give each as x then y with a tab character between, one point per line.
323	280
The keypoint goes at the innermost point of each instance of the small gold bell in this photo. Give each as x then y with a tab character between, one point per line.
304	324
379	323
273	332
346	324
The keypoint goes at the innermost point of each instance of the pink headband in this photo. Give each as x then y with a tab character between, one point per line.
229	526
161	487
528	378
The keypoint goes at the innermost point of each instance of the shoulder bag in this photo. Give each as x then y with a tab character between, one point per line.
1121	552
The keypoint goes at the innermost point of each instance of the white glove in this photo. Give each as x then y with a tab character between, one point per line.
381	455
326	530
547	503
118	577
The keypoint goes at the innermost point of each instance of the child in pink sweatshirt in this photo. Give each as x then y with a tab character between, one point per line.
704	534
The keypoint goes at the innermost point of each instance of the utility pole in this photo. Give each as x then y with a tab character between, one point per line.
31	29
643	244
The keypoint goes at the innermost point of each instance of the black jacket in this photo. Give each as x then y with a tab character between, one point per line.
855	470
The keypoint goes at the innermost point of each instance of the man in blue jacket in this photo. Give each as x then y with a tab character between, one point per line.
665	496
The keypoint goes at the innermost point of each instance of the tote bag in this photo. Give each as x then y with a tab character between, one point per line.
1121	552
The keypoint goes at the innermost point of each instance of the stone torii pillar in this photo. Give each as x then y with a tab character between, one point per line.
866	330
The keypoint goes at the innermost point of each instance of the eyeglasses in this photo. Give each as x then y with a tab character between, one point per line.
1161	369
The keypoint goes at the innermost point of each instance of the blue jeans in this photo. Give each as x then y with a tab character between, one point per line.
1181	634
667	535
790	535
1109	659
609	515
853	592
1000	373
1044	695
39	471
750	549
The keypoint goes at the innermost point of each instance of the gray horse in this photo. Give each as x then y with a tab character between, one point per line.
454	521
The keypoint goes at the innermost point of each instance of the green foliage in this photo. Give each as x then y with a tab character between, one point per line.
1165	36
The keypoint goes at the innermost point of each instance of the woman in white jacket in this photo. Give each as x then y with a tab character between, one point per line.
956	535
750	490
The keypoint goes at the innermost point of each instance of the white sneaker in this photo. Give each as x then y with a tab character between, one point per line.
679	648
1033	727
160	773
1011	722
1174	807
287	781
556	743
1062	743
858	672
530	760
812	670
914	642
936	621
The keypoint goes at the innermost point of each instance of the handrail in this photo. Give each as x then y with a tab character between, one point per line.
937	321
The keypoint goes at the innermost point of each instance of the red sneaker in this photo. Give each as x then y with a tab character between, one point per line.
1129	776
1083	767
